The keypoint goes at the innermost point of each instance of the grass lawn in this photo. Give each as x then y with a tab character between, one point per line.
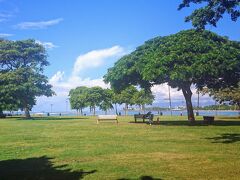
77	147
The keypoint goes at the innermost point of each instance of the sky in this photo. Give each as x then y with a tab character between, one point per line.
84	38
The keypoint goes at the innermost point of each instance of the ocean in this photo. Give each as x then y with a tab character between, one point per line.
164	113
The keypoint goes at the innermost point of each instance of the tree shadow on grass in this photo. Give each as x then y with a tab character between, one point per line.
226	138
143	178
40	168
187	123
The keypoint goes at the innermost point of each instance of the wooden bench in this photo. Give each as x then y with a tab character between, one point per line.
143	117
208	119
107	118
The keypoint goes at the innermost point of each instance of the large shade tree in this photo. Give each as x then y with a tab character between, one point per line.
7	90
188	58
211	11
22	64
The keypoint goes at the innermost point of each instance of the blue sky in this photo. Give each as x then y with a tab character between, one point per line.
85	37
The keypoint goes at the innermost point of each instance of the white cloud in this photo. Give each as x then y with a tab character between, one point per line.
56	77
38	24
92	59
47	45
161	93
95	58
5	35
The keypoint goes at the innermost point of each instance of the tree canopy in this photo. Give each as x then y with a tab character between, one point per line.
93	97
190	57
229	95
142	98
22	64
78	98
82	97
107	100
211	12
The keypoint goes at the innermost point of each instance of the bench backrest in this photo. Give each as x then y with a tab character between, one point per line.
107	116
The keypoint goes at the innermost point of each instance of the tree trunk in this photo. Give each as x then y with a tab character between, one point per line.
188	95
140	108
105	112
94	110
126	109
238	105
116	109
27	113
1	114
81	111
143	108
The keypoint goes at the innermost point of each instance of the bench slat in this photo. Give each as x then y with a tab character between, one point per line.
107	117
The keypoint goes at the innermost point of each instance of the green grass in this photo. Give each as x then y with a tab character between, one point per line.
76	148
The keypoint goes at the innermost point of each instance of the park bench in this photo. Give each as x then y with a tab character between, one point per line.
148	116
107	118
208	119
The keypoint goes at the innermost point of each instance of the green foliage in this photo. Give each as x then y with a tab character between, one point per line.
212	12
229	95
127	95
191	57
188	57
7	92
82	97
143	98
95	96
22	80
78	98
217	107
107	100
132	96
22	54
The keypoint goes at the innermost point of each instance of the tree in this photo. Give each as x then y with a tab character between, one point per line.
212	12
126	96
94	97
7	99
82	97
78	98
188	58
143	98
230	95
22	64
116	99
107	100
